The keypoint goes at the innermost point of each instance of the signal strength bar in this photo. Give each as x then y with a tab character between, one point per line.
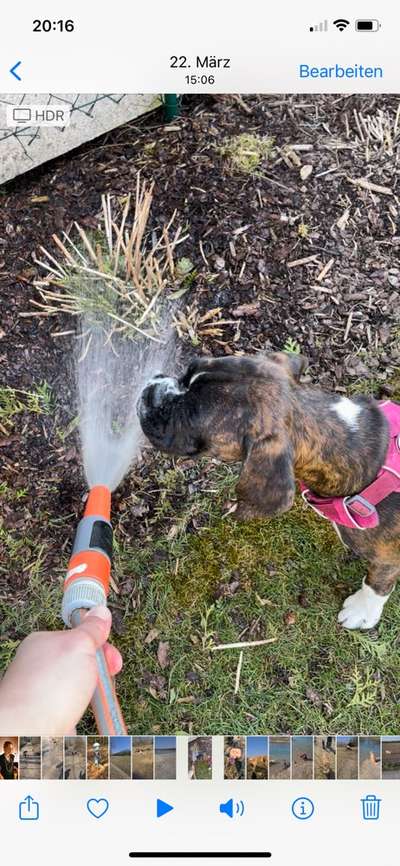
320	28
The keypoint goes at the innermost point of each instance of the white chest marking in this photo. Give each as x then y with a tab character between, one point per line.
347	411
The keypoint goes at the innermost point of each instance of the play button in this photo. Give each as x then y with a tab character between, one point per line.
163	808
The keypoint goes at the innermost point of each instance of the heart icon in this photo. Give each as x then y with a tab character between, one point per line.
97	808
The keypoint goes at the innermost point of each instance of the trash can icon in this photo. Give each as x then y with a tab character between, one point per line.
371	807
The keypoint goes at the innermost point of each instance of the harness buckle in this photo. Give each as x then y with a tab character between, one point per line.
360	506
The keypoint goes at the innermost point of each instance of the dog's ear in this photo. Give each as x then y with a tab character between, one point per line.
293	364
266	485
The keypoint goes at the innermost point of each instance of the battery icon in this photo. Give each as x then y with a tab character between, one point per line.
367	25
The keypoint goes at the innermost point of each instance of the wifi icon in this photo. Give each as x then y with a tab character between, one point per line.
341	23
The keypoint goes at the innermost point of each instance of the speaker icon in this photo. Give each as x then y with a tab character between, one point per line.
232	808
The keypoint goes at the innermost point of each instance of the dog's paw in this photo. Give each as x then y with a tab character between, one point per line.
363	609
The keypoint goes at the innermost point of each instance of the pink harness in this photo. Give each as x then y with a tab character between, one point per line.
359	512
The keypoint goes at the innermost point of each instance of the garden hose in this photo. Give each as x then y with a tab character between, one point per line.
87	585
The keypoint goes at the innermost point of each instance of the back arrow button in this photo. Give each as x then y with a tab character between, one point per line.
14	72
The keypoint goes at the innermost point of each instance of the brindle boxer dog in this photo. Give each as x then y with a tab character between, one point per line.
253	410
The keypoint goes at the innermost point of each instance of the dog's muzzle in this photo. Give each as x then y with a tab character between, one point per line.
155	393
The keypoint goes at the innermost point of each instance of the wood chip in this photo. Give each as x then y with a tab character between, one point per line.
305	171
363	183
343	220
223	646
238	672
291	158
300	147
203	254
241	230
297	262
114	585
242	103
348	326
325	270
246	310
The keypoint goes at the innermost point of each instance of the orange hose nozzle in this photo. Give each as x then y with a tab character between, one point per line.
98	502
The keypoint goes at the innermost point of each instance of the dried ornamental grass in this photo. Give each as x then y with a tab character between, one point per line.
116	277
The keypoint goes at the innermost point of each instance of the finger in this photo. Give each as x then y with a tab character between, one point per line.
113	659
96	624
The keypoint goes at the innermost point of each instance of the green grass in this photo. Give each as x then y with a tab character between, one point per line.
316	677
14	401
37	608
276	563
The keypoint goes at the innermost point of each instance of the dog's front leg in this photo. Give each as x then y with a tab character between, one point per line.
364	608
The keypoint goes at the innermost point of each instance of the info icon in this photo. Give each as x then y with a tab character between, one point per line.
303	808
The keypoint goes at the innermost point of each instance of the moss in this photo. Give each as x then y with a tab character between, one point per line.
246	152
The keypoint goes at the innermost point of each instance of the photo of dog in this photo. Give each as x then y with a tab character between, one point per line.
239	270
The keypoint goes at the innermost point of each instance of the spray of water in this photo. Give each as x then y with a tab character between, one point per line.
110	378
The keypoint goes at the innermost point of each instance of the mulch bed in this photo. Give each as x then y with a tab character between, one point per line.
247	234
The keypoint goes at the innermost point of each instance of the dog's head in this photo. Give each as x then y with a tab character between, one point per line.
235	409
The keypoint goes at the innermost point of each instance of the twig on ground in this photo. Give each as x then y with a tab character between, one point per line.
223	646
297	262
238	672
363	183
348	326
325	270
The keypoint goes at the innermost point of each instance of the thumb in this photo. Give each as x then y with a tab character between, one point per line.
96	624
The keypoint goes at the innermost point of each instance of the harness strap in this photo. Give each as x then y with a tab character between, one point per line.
359	511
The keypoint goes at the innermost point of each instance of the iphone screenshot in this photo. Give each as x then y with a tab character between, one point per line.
199	433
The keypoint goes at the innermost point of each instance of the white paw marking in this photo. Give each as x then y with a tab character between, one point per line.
363	609
347	411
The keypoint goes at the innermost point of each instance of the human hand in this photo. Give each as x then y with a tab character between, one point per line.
51	680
